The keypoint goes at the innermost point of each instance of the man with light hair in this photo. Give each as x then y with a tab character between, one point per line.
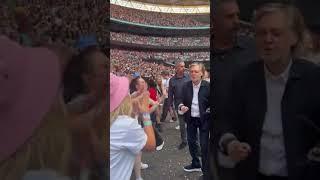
270	125
195	107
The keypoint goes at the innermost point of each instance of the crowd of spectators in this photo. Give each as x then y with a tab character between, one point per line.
168	57
126	63
157	18
55	20
160	41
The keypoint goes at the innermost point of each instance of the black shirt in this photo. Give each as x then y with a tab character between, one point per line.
223	66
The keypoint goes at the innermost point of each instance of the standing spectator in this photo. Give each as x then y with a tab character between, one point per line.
271	118
160	93
35	137
127	138
195	107
231	52
176	94
166	106
148	107
85	95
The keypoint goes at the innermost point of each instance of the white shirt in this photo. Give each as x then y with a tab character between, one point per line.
165	83
127	139
272	149
195	112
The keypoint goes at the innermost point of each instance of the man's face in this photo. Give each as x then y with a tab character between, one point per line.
195	73
227	18
180	68
274	37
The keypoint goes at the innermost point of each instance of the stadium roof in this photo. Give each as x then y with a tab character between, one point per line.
177	2
172	8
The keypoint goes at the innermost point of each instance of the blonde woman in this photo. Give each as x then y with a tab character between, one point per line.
162	93
127	138
34	135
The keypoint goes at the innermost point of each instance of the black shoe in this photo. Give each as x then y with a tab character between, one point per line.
182	145
192	168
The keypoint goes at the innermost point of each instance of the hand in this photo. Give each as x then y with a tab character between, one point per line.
184	109
238	151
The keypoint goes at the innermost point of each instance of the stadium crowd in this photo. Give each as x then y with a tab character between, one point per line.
126	63
57	25
168	57
35	22
160	41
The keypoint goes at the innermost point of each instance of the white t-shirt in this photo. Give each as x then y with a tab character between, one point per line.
127	138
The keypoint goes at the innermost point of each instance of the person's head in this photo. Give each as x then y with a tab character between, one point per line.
226	17
141	85
120	100
279	30
86	73
180	66
165	74
34	133
152	82
196	71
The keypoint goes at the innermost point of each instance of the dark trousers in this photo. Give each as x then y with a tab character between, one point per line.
159	140
182	125
192	137
165	110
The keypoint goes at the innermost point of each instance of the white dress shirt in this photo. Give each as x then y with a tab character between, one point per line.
195	112
272	149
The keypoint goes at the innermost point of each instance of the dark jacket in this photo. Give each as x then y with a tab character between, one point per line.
300	104
175	92
203	98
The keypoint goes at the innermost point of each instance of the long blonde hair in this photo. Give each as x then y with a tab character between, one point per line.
125	108
48	148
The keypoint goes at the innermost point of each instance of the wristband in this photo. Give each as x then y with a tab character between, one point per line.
147	123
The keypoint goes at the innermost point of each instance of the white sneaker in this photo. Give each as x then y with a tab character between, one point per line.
158	148
144	166
177	127
171	121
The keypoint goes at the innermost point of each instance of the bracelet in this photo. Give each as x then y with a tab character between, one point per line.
147	123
